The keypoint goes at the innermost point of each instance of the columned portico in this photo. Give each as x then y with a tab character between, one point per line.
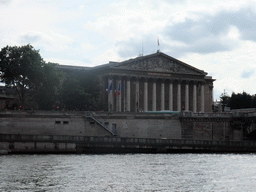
155	83
119	98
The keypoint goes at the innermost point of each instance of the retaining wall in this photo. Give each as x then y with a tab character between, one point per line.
132	125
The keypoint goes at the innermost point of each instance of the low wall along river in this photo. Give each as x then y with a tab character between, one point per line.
75	144
83	132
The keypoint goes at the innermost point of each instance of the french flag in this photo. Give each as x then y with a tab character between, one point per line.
119	89
109	88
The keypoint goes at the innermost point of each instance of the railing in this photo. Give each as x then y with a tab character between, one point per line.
192	114
99	120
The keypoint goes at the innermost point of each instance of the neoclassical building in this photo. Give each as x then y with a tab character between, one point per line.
153	82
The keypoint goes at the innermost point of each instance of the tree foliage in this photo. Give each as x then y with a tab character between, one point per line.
238	101
41	85
225	99
47	95
80	92
23	69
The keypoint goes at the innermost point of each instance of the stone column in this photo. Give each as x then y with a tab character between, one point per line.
128	95
119	96
162	95
115	95
154	95
202	97
171	96
194	98
137	96
146	95
187	96
124	94
179	96
110	95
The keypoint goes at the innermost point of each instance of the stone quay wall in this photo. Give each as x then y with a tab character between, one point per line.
210	127
126	125
78	124
11	143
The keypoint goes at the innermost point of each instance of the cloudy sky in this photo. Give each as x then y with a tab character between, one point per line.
218	37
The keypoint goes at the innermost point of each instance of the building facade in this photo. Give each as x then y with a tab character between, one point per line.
154	82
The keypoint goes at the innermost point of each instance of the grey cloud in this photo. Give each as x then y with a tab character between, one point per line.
246	23
175	1
5	1
243	19
209	34
30	38
136	46
247	74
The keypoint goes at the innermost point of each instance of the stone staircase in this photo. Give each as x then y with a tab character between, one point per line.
99	121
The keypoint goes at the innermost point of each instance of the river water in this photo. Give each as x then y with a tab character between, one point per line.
129	172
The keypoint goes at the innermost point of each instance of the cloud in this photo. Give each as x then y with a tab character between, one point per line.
244	20
202	33
197	36
5	1
106	56
51	41
229	84
210	33
128	19
87	47
68	62
137	46
30	38
246	74
175	2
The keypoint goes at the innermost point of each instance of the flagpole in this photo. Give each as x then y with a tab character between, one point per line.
158	45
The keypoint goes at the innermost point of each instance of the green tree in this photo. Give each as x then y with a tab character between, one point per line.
225	99
240	101
80	91
47	95
23	69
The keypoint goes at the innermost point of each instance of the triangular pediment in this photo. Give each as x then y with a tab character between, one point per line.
159	62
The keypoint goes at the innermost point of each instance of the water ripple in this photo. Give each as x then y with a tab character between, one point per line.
130	172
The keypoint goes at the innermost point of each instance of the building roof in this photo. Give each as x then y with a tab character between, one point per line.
154	62
157	62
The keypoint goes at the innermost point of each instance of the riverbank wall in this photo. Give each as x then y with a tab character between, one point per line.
161	127
34	144
136	125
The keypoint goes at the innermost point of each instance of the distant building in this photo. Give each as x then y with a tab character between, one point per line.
153	82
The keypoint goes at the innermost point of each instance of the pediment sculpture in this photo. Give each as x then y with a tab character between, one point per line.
158	64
